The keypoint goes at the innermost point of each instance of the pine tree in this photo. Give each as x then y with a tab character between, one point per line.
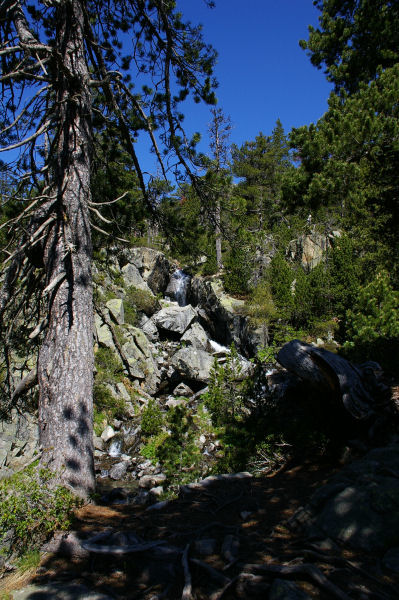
354	40
66	76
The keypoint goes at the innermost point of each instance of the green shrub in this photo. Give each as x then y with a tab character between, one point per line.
224	396
32	509
152	419
131	316
176	449
106	403
281	277
29	560
178	454
372	327
269	454
151	449
142	301
238	270
260	308
109	368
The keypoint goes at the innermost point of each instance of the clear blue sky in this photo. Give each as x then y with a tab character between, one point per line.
263	74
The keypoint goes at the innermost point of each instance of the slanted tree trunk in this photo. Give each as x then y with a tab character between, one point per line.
65	365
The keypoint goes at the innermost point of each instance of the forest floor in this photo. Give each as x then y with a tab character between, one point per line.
228	540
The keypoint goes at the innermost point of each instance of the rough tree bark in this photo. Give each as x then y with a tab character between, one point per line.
65	366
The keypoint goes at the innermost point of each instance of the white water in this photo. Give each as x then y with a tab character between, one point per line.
182	283
115	448
218	347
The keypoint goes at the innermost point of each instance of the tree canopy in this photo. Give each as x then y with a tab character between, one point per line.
355	37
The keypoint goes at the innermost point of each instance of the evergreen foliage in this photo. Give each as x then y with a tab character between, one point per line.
372	331
354	39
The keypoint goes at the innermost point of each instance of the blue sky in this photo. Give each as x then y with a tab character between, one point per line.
263	74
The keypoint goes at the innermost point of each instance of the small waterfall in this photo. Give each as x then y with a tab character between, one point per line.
115	448
182	281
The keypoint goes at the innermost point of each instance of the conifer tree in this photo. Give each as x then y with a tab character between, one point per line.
354	40
66	74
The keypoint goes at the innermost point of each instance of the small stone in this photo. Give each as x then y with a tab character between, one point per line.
98	443
142	498
158	505
173	402
122	391
151	481
157	491
230	547
183	390
66	544
244	514
119	470
108	433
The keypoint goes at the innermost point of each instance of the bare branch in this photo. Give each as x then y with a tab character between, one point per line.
56	281
108	234
33	240
41	130
110	201
100	216
21	114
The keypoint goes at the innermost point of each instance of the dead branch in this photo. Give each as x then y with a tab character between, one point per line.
220	593
27	383
41	130
110	201
33	240
343	562
56	281
28	104
106	233
37	331
99	215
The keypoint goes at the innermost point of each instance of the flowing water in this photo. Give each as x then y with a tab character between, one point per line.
182	283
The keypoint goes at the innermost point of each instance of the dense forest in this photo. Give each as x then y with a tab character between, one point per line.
299	227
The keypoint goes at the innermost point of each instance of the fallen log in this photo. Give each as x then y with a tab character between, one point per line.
330	373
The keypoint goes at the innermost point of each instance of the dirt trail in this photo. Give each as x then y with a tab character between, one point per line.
194	559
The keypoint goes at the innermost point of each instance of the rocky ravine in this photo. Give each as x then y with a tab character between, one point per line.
163	333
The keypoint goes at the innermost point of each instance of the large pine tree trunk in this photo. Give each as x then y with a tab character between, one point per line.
65	366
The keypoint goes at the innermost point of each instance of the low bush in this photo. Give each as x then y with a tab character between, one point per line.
225	393
105	402
109	368
31	509
151	419
141	300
